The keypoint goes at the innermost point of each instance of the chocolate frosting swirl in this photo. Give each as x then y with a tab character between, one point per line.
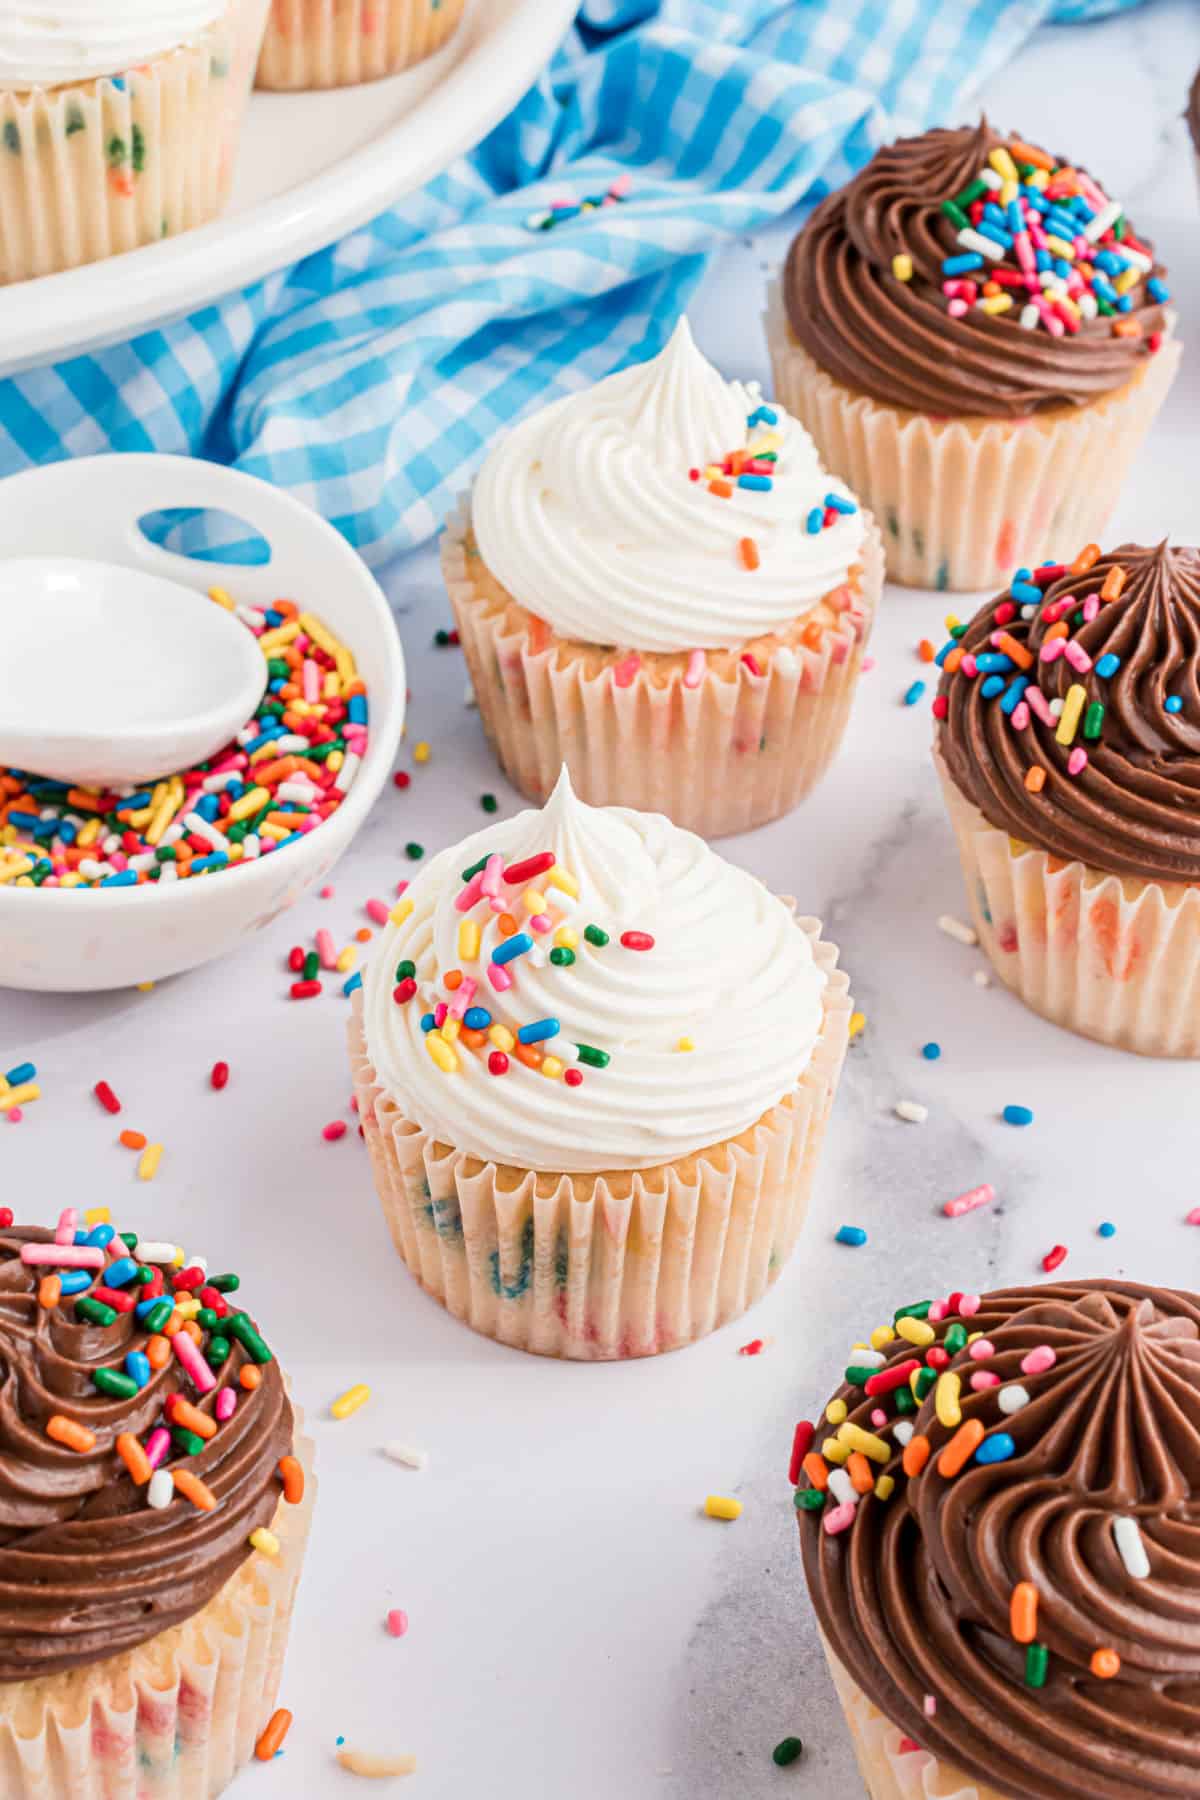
87	1568
915	1596
1134	809
895	340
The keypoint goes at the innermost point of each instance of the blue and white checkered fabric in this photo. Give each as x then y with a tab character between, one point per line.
369	379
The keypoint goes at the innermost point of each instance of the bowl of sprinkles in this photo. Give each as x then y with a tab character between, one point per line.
997	1515
106	888
978	339
151	1566
1068	746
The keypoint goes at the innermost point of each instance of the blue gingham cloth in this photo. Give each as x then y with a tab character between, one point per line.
370	378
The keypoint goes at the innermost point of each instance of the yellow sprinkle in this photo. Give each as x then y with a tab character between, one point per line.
331	687
1072	711
441	1052
97	1215
532	901
834	1452
421	752
916	1331
347	959
858	1022
997	303
946	1400
148	1162
567	884
221	597
12	871
1003	163
1040	179
1126	283
501	1036
718	1506
451	1029
188	1307
179	1258
885	1487
24	881
972	1335
686	1043
882	1336
1066	301
351	1400
566	939
378	1768
163	815
333	761
1060	247
21	1096
1008	193
855	1438
902	266
257	798
836	1411
400	911
89	834
551	1068
468	940
951	620
282	634
146	987
264	1541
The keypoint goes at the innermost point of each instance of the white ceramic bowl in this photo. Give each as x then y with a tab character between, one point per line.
75	940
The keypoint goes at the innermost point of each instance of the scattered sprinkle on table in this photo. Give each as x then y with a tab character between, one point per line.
912	1111
721	1506
1054	1258
219	1075
406	1455
954	928
489	802
851	1234
931	1051
349	1402
913	694
1018	1115
787	1751
277	1729
376	1768
975	1197
397	1622
1108	1229
858	1021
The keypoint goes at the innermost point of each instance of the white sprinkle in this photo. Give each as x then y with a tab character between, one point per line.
1128	1535
348	771
469	700
161	1490
1108	215
866	1359
250	615
1029	317
405	1454
202	828
983	246
902	1430
1027	612
991	178
981	978
1056	706
357	1762
843	1489
1088	306
1012	1399
955	928
152	1252
912	1111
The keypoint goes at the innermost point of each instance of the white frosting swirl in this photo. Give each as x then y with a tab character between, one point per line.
78	40
587	514
730	970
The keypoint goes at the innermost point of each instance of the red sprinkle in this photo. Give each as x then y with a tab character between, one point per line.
1006	612
1054	1257
533	865
908	1745
295	959
191	1277
304	990
498	1063
637	940
334	1130
404	992
751	663
573	1077
941	706
106	1097
401	779
219	1075
6	1217
117	1298
754	1348
937	1358
802	1443
895	1377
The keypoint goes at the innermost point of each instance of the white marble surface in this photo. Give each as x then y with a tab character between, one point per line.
577	1629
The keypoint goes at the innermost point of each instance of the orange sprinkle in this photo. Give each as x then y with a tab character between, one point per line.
363	935
1058	630
158	1351
182	1412
1025	153
961	1448
1087	556
49	1291
135	1459
749	553
193	1489
953	661
817	1470
1127	328
474	1040
723	489
506	925
926	651
277	1729
66	1431
1114	581
812	635
1035	779
1106	1664
862	1480
133	1140
292	1475
1023	1612
249	1376
453	979
173	1324
540	635
193	1331
916	1455
529	1054
1020	655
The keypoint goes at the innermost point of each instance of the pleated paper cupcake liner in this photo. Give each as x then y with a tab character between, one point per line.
890	1771
1107	956
338	43
962	503
176	1718
99	167
598	1267
726	755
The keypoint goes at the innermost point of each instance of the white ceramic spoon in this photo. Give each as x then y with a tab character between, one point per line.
109	675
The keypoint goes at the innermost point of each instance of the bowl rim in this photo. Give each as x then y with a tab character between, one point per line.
387	710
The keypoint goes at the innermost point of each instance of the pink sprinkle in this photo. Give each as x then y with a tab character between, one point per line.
1052	649
541	922
621	186
1076	655
401	889
1039	705
1077	761
335	1129
625	671
983	1195
981	1349
1193	1217
312	681
839	1518
1019	717
68	1219
439	1014
63	1256
470	894
938	1311
225	1404
968	666
14	1115
326	949
158	1446
694	673
464	997
490	874
499	977
956	308
397	1622
377	910
969	1305
879	1418
1039	1361
930	1706
984	1378
191	1360
868	663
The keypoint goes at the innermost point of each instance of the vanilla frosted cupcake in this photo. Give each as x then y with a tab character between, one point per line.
120	124
1000	1539
335	43
979	341
594	1064
656	584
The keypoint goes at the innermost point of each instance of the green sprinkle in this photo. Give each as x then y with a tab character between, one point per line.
1037	1661
488	802
1120	228
561	957
955	1339
129	1239
218	1351
139	149
112	1381
189	1442
166	853
406	970
475	869
118	151
414	852
594	935
240	1327
925	1379
95	1311
144	1275
595	1059
858	1377
75	121
956	214
312	964
790	1750
207	1319
441	638
1093	720
225	1284
905	1400
958	631
809	1499
919	1310
974	190
158	1315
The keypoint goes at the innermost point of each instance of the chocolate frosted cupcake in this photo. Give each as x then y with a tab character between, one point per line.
978	342
153	1519
1002	1543
1068	747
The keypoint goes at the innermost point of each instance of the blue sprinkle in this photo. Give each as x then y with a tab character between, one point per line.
1013	695
914	693
993	662
1107	665
962	265
142	1308
763	415
851	1234
428	1022
931	1051
1157	290
539	1031
512	947
1174	704
218	860
997	1448
356	711
1042	259
815	520
74	1281
991	687
208	806
840	504
759	484
101	1236
355	981
1125	303
995	234
1108	1230
137	1365
943	653
477	1018
1025	591
1018	1115
23	1072
118	82
126	878
121	1272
